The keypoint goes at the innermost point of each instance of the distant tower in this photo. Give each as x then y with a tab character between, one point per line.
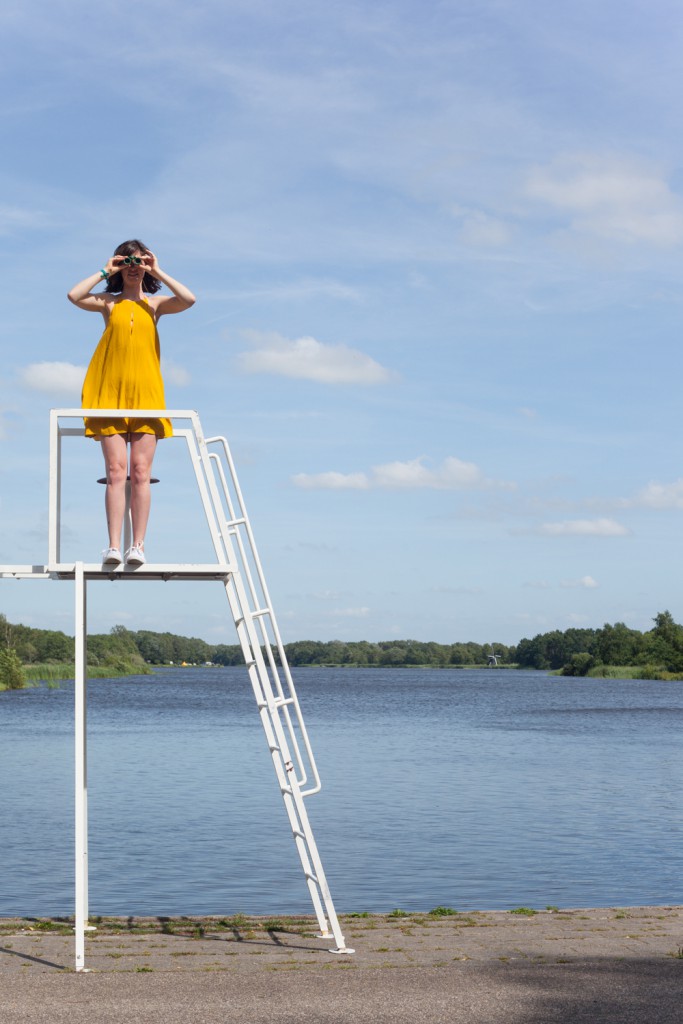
493	657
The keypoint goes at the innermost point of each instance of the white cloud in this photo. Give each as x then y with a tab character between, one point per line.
611	197
331	481
584	528
18	219
452	474
586	582
54	378
305	289
174	374
470	591
483	231
657	495
352	613
308	359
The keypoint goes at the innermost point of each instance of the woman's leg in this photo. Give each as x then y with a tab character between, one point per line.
142	449
116	466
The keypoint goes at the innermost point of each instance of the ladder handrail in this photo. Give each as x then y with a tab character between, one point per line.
261	612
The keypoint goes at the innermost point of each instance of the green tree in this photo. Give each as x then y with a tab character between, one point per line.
12	675
228	654
579	664
663	645
617	644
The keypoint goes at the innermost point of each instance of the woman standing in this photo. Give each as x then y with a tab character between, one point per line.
125	373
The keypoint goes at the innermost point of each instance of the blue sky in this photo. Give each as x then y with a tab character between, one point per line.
437	254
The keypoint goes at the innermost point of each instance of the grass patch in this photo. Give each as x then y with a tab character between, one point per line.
44	673
654	672
236	921
398	913
524	911
274	924
442	912
49	672
59	925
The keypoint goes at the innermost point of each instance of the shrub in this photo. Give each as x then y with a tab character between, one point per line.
12	675
579	664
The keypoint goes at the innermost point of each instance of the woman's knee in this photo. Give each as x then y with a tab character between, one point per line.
117	471
140	472
142	451
115	454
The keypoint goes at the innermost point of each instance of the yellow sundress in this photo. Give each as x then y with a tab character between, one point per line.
125	373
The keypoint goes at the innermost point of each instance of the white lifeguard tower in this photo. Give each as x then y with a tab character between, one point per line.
238	569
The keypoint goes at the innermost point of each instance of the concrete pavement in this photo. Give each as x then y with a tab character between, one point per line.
603	965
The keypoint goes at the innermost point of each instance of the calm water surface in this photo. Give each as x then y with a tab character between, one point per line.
472	789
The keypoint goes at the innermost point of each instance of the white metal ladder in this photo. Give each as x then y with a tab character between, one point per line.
239	570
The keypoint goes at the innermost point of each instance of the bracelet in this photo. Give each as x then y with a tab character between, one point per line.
104	275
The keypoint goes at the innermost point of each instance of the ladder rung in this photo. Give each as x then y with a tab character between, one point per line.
279	702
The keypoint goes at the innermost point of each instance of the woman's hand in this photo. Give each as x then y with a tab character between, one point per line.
182	297
151	264
113	265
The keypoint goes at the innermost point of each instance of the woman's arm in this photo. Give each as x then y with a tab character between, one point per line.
80	293
182	297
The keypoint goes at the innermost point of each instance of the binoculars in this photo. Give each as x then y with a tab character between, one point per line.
130	260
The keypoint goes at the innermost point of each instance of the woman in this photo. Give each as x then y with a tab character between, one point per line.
125	373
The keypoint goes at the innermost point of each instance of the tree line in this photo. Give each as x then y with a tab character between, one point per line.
146	647
577	651
573	651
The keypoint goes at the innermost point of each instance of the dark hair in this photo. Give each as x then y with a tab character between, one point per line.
115	281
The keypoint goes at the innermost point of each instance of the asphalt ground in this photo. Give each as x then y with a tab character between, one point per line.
599	965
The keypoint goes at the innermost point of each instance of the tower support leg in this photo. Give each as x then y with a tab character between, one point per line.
81	765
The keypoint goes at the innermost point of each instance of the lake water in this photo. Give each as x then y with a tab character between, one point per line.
480	790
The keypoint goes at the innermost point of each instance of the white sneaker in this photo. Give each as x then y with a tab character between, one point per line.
135	555
112	556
